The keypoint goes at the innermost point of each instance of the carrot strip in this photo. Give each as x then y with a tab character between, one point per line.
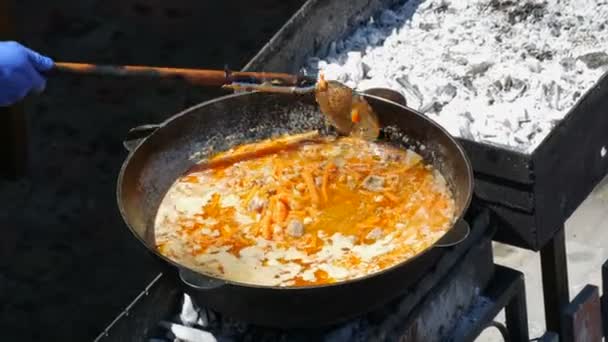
249	195
267	232
226	231
355	117
392	197
256	150
310	183
280	212
328	168
266	223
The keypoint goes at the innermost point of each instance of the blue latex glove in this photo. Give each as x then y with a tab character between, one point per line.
20	70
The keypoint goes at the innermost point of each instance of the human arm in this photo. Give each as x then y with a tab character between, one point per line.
20	72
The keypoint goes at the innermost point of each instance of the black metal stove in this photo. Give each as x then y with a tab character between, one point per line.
457	300
526	192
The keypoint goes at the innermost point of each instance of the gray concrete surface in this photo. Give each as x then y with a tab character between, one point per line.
587	248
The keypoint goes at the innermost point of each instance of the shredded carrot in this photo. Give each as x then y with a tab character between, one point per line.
392	197
267	232
249	195
328	168
280	212
312	188
302	183
266	229
190	179
322	83
256	150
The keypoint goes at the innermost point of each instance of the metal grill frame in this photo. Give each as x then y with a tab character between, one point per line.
532	194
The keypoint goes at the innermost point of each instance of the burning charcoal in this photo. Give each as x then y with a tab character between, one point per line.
514	31
468	116
212	317
432	107
558	97
412	93
468	83
514	84
331	50
366	69
555	29
346	332
375	38
527	10
479	69
461	61
568	63
508	83
498	85
519	140
204	318
534	66
594	60
427	26
447	93
548	93
524	119
389	18
442	7
465	132
188	334
373	183
189	314
234	326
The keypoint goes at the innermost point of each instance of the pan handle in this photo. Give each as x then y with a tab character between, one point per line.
456	235
199	281
137	135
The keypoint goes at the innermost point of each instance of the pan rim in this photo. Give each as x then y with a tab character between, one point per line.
226	282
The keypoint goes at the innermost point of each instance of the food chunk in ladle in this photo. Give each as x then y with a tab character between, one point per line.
346	110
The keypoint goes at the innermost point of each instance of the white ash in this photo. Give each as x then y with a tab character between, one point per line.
188	334
495	71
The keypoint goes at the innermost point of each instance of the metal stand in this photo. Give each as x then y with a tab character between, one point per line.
582	317
555	281
506	290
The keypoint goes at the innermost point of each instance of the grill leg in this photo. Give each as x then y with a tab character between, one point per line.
516	314
605	298
555	281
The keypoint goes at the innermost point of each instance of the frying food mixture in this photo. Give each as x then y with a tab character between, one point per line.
303	210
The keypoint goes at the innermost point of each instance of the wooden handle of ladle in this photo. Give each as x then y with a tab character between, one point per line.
199	77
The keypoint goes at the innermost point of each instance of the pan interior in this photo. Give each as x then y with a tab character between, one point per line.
223	123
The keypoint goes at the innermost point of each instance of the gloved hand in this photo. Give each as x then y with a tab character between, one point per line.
20	70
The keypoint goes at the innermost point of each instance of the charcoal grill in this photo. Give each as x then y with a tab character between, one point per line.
531	194
465	289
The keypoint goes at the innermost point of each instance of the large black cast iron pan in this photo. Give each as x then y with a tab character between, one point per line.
159	154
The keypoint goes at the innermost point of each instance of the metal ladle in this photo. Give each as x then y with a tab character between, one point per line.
346	109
